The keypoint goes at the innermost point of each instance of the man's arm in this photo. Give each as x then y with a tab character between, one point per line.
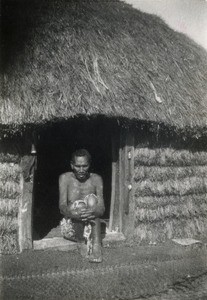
63	195
66	208
100	208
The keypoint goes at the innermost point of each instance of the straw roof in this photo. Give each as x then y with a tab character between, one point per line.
67	58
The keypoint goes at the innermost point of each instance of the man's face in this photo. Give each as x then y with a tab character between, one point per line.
80	167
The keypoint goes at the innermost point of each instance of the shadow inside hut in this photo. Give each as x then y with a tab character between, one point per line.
54	153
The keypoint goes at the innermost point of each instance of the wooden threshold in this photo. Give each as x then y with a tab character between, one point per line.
54	243
59	243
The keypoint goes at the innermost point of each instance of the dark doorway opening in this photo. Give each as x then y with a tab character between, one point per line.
54	149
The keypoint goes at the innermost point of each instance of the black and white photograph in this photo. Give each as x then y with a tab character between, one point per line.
103	149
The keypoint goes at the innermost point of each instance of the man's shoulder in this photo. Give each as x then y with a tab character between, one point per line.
96	177
67	176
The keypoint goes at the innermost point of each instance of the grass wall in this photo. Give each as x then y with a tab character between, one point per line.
9	202
170	193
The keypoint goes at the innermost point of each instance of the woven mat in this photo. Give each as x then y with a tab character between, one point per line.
126	273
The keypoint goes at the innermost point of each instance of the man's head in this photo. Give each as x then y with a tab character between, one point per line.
80	164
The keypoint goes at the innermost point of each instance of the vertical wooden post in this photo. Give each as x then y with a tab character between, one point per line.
129	169
113	182
126	171
25	216
121	179
26	204
121	209
129	186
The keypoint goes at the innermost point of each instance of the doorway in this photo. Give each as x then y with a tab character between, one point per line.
55	147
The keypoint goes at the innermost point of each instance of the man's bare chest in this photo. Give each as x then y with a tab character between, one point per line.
78	190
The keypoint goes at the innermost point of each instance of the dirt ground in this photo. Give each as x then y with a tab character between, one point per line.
186	289
162	272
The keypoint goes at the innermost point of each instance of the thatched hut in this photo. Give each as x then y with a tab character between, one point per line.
101	75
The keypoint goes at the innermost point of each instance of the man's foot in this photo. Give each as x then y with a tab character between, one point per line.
82	248
96	255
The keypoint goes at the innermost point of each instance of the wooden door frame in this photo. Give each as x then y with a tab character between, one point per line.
113	216
126	186
121	217
25	218
122	195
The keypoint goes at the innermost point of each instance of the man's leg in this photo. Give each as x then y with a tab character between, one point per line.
72	230
96	255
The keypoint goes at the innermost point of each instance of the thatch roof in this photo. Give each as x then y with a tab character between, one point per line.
66	58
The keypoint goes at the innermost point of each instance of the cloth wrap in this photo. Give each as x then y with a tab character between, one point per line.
78	231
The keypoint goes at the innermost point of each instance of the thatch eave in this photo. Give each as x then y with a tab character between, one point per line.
106	59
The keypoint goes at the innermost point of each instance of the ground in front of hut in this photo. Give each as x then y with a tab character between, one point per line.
157	272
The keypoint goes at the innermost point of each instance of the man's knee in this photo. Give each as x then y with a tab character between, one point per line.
91	200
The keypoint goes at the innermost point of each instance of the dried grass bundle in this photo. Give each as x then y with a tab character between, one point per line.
187	210
169	157
9	202
9	190
8	225
8	244
9	207
68	58
169	228
162	173
9	158
186	186
9	172
151	202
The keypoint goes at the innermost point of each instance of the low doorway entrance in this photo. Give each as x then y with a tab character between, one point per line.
54	150
112	151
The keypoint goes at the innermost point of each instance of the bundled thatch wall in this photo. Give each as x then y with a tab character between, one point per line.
170	185
170	193
10	193
13	146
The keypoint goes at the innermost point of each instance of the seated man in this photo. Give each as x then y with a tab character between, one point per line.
81	202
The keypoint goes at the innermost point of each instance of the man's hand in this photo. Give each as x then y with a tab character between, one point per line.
82	214
87	214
